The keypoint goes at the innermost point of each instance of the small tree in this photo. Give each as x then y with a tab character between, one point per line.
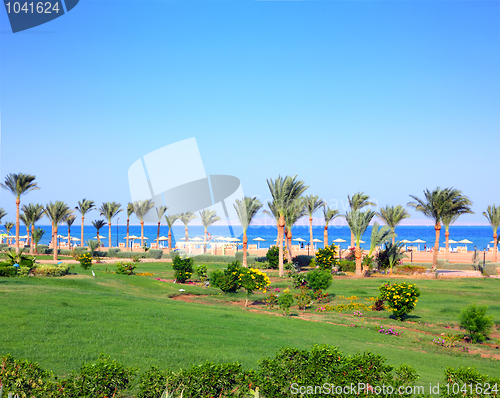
474	320
93	245
252	279
37	236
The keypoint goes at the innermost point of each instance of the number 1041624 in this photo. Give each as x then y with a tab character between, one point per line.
39	8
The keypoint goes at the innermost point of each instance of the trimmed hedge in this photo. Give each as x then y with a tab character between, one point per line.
155	253
7	271
3	246
210	258
112	252
80	249
131	255
42	249
250	259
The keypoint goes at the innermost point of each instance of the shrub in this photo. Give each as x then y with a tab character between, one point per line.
401	298
326	258
302	261
125	268
155	253
65	252
51	270
476	384
210	258
112	251
474	320
7	270
271	300
130	255
100	253
272	256
21	377
299	279
303	298
350	256
42	249
382	260
252	279
285	301
323	365
4	246
201	271
85	260
183	269
318	279
347	266
227	280
410	270
153	383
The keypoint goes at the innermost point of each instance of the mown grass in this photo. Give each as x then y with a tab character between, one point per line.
63	322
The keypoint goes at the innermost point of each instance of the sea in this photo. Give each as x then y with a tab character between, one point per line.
480	236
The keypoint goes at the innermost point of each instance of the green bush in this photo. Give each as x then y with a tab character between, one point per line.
318	279
183	269
3	246
153	383
125	268
326	258
250	259
401	298
42	249
227	280
155	253
347	266
7	271
474	320
65	252
22	377
210	258
279	377
201	271
474	382
112	251
285	301
302	261
51	270
100	253
130	255
273	257
299	279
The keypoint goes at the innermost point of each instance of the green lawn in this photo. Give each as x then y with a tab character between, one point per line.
63	322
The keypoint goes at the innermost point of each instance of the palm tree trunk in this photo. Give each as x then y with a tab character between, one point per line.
169	239
186	234
18	201
281	225
495	249
352	239
437	227
142	233
205	241
447	250
245	241
69	237
311	234
325	236
81	237
98	239
55	242
158	236
32	243
109	233
128	222
357	253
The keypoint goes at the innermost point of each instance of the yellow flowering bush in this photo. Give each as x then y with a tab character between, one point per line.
85	260
326	258
252	279
401	298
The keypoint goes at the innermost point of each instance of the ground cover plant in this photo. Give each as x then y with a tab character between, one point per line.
63	322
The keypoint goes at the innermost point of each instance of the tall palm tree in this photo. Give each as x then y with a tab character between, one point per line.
110	210
186	218
379	236
160	212
26	223
358	223
492	214
56	212
313	204
3	213
357	202
130	211
438	204
246	210
69	220
392	216
37	236
273	213
8	227
328	215
141	208
295	211
208	217
84	207
33	212
98	224
284	191
19	184
448	219
170	221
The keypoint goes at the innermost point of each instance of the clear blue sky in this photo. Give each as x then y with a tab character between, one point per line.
385	97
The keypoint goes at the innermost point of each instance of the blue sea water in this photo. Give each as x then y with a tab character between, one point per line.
479	235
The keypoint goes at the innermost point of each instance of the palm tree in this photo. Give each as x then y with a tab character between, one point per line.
492	214
394	253
33	212
329	215
170	221
379	236
284	191
246	210
56	212
130	211
84	207
208	217
110	210
3	213
37	236
357	202
141	208
312	203
8	227
438	204
98	224
26	223
448	219
392	216
160	212
295	211
19	184
272	212
69	220
186	218
358	223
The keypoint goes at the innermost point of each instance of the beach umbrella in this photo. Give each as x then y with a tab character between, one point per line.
299	239
406	241
452	241
102	237
465	242
234	240
259	239
162	238
196	238
419	241
315	240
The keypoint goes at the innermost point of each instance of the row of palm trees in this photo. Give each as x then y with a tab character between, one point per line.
288	205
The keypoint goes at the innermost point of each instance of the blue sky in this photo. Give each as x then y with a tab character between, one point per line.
383	97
